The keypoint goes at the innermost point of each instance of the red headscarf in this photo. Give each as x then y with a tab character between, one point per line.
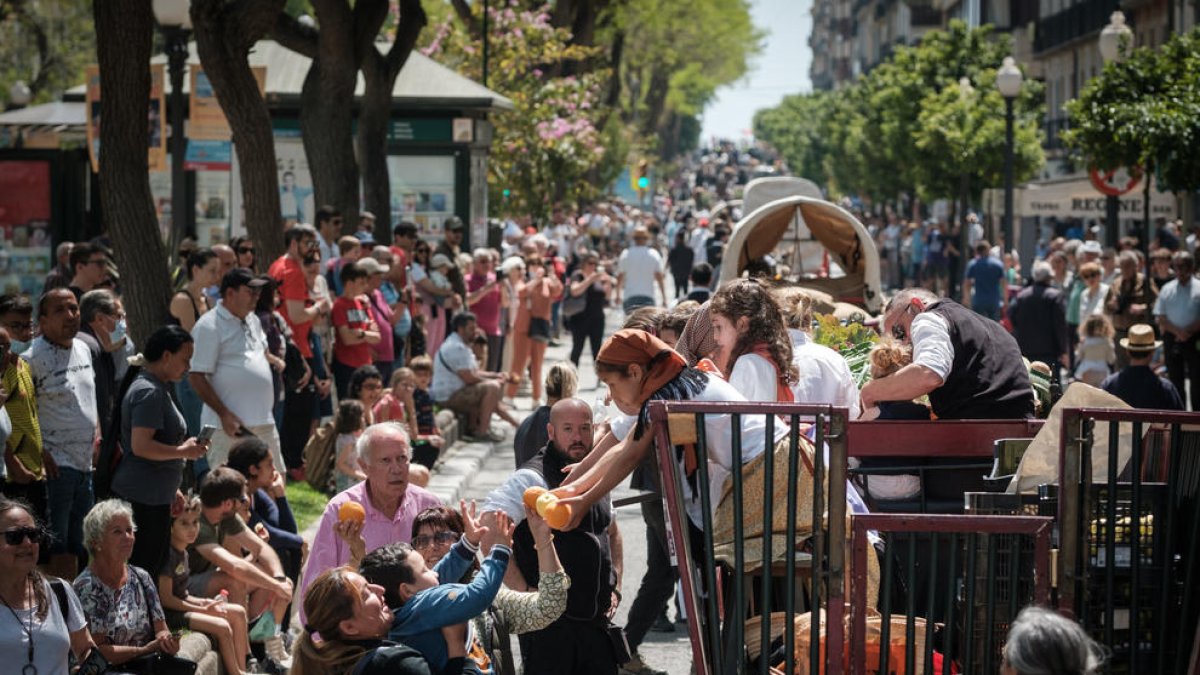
630	345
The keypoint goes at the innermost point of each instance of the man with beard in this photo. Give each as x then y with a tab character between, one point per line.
578	641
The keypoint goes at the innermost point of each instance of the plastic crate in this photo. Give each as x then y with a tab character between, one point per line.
1014	562
1150	522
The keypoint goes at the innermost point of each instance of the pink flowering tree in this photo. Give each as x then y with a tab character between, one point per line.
546	148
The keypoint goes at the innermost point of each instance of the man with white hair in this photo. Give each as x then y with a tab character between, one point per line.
969	366
1039	320
390	503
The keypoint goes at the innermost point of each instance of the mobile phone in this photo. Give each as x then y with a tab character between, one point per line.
206	433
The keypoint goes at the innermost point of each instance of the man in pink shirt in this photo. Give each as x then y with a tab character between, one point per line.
390	502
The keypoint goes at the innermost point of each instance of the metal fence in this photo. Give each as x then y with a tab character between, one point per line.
1130	551
724	586
955	604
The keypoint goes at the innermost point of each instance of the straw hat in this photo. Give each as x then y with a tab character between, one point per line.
1141	339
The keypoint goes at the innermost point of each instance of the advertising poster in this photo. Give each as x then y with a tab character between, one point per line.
422	191
295	184
212	207
25	247
156	115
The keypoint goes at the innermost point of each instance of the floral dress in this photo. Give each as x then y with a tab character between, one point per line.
125	615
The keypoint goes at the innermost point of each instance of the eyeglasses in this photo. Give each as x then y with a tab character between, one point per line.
14	537
99	261
244	250
424	541
372	386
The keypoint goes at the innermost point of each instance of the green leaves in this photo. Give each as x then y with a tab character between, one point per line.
1144	110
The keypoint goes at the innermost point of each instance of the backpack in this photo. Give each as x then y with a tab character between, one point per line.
319	458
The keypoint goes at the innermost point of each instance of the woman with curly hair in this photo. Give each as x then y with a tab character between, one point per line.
753	339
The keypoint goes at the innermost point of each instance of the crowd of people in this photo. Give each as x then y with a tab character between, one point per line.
154	479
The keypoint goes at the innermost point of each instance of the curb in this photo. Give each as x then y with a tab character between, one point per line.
452	474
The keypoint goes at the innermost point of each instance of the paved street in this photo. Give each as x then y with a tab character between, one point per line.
666	651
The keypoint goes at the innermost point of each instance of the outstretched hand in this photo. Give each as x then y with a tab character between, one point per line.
498	529
473	526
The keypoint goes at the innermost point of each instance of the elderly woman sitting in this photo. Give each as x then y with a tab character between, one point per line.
120	601
1042	642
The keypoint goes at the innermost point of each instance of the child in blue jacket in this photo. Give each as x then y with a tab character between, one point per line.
422	605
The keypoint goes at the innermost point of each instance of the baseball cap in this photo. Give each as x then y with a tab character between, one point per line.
373	266
366	237
240	276
439	260
453	223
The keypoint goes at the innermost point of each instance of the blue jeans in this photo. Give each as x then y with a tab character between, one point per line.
71	498
190	405
635	301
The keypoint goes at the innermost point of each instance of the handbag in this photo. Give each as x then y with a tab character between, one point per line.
573	304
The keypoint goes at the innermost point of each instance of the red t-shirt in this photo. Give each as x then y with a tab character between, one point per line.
353	314
290	276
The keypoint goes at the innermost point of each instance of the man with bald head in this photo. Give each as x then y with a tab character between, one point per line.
578	641
228	260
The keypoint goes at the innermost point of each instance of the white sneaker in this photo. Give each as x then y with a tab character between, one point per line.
277	652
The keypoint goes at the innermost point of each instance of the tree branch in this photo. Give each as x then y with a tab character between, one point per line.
252	19
463	10
368	18
412	20
289	32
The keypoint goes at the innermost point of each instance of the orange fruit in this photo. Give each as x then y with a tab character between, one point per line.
352	511
531	496
558	515
544	503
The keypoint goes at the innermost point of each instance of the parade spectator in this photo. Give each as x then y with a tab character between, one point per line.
1091	298
366	386
60	275
383	352
1108	264
154	441
512	273
61	367
680	261
1096	355
23	453
1130	299
228	261
348	424
320	338
748	326
450	246
561	382
1041	641
230	371
460	385
824	376
578	641
329	225
412	389
269	504
392	406
404	236
255	581
1160	268
187	306
390	502
593	285
430	297
985	285
347	621
102	328
1039	319
639	270
702	276
356	330
224	622
969	367
1178	313
1137	384
288	272
120	600
40	634
247	257
935	258
1062	278
89	266
349	250
532	330
484	300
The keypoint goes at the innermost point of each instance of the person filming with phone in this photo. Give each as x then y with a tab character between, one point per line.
154	443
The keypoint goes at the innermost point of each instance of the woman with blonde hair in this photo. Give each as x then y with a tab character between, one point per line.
347	623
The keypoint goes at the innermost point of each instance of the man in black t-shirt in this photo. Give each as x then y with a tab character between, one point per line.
1137	384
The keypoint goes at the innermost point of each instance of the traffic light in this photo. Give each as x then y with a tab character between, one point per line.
507	193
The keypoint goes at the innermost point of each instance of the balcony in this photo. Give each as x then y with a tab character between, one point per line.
1073	23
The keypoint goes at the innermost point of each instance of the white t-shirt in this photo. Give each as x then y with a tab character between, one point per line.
699	243
755	378
453	356
51	635
824	375
66	396
232	352
640	265
931	343
719	438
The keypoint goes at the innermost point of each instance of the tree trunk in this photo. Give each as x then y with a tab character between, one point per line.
327	112
225	33
124	36
379	74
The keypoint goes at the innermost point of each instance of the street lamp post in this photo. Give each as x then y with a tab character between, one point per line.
1115	42
176	24
1008	81
19	95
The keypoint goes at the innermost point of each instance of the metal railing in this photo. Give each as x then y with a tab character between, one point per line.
718	587
1130	536
978	573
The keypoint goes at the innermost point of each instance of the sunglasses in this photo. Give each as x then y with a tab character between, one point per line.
14	537
245	250
441	539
